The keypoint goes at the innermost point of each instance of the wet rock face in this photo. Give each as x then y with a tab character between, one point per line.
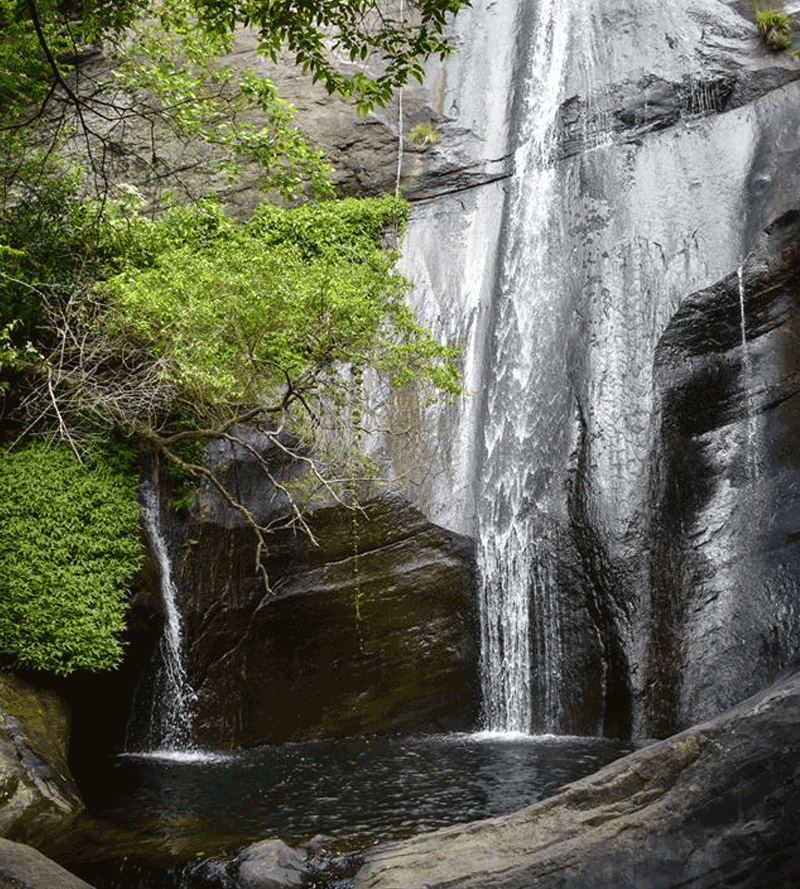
22	867
371	630
674	156
724	562
676	148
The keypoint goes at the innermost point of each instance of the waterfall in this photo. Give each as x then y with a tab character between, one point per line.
170	714
751	445
526	402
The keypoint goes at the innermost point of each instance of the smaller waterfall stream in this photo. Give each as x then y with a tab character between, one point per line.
170	717
752	449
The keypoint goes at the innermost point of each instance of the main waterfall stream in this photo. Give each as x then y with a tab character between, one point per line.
518	423
527	398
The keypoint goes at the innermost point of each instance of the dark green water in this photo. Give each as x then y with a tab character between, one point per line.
356	791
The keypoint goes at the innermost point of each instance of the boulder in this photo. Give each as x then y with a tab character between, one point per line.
37	792
271	864
713	806
22	867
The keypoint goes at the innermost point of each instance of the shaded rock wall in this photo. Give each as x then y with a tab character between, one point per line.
369	632
723	551
368	629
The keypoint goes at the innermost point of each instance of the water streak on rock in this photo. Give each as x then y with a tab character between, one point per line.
751	445
170	717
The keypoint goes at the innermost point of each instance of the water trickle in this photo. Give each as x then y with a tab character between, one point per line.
751	445
526	401
170	708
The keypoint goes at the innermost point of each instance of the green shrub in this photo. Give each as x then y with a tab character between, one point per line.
69	544
774	27
291	296
425	134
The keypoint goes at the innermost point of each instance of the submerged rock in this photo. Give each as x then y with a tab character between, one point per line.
271	864
712	806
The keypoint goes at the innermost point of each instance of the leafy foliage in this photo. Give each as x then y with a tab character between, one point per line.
24	72
69	544
774	27
170	328
424	134
48	246
229	108
270	312
207	324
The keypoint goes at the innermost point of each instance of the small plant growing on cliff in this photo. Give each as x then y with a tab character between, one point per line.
424	134
69	544
775	28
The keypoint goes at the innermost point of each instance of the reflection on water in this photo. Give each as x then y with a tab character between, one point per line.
373	787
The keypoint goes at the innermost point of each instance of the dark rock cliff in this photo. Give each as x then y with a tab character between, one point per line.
723	551
370	631
368	627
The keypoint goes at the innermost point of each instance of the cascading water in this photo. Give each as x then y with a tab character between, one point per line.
751	445
525	405
170	716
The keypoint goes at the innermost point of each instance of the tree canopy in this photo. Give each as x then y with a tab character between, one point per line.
167	326
162	63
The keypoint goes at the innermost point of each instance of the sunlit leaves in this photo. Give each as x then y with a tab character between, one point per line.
279	306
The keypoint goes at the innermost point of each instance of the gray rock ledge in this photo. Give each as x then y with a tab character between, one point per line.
22	867
714	806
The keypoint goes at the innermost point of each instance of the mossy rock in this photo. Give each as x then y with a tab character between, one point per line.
37	791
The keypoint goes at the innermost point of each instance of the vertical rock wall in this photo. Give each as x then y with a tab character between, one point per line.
679	146
723	557
362	625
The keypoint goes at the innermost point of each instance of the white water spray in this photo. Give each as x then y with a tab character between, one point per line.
170	727
523	424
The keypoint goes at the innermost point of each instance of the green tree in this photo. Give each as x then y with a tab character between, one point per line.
164	68
174	326
207	325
